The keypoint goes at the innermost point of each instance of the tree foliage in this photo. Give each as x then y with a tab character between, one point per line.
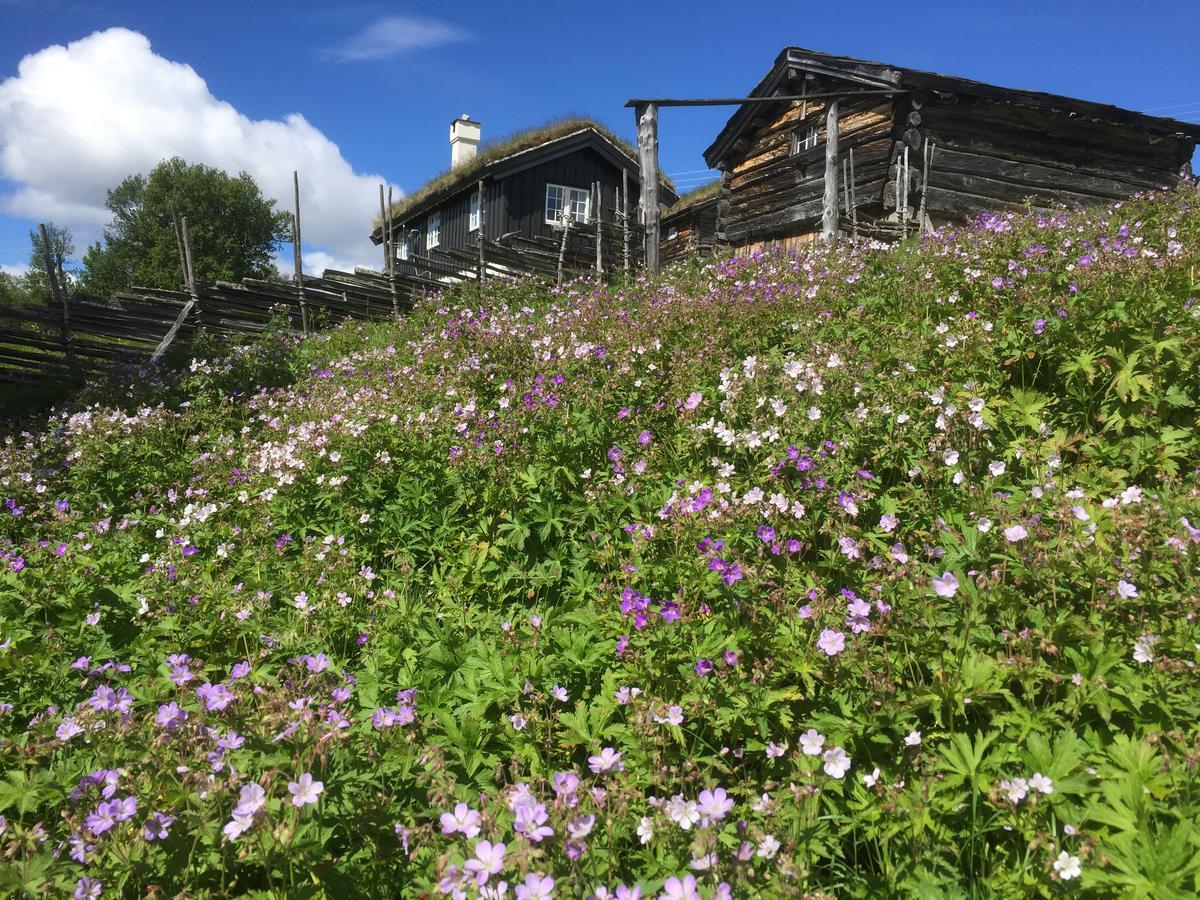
233	229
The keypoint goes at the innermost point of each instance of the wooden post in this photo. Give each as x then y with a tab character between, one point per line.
391	265
179	245
904	182
853	197
927	149
599	231
562	250
625	218
829	213
191	271
298	260
647	137
385	232
479	240
58	293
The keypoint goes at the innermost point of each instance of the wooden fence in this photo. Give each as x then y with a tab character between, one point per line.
80	335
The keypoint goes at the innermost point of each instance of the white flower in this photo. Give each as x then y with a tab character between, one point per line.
869	780
767	847
1040	783
1143	648
913	739
1131	494
1067	867
814	413
645	829
1125	590
811	742
984	524
950	457
1016	789
684	813
996	468
837	763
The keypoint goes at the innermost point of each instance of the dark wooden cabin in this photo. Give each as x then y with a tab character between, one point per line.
531	181
914	150
689	227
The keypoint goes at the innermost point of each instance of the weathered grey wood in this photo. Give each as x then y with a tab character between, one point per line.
739	101
647	136
562	253
57	292
625	219
599	232
481	271
298	260
829	217
391	253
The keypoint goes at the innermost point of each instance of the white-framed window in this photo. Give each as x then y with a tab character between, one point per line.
563	201
433	230
402	249
672	233
473	225
805	139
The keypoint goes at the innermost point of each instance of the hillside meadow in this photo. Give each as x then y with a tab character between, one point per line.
866	571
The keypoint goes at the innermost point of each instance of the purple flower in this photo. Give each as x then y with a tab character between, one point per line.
215	696
608	760
945	585
304	790
101	820
530	818
463	819
536	887
158	827
170	716
680	888
124	808
88	889
766	533
704	666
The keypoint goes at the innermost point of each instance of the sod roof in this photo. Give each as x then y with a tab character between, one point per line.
453	180
693	197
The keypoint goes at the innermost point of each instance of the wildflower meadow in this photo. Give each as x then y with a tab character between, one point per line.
864	571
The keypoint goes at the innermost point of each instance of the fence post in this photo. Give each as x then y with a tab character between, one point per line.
58	293
599	231
297	258
625	217
479	241
191	272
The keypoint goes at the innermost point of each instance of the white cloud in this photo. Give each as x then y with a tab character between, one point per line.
75	120
17	269
393	36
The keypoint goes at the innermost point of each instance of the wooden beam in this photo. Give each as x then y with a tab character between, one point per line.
625	217
647	136
829	213
738	101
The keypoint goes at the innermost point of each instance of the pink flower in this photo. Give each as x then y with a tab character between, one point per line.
831	642
1015	533
945	585
680	889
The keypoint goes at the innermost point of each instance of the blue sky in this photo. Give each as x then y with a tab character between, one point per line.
377	84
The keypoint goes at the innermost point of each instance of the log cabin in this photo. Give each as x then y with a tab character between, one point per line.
884	150
689	227
531	183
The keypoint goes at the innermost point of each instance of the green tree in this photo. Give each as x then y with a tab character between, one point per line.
232	227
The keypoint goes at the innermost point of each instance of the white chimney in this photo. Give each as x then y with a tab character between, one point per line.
464	140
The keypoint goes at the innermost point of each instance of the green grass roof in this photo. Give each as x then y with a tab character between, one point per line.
692	197
452	179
